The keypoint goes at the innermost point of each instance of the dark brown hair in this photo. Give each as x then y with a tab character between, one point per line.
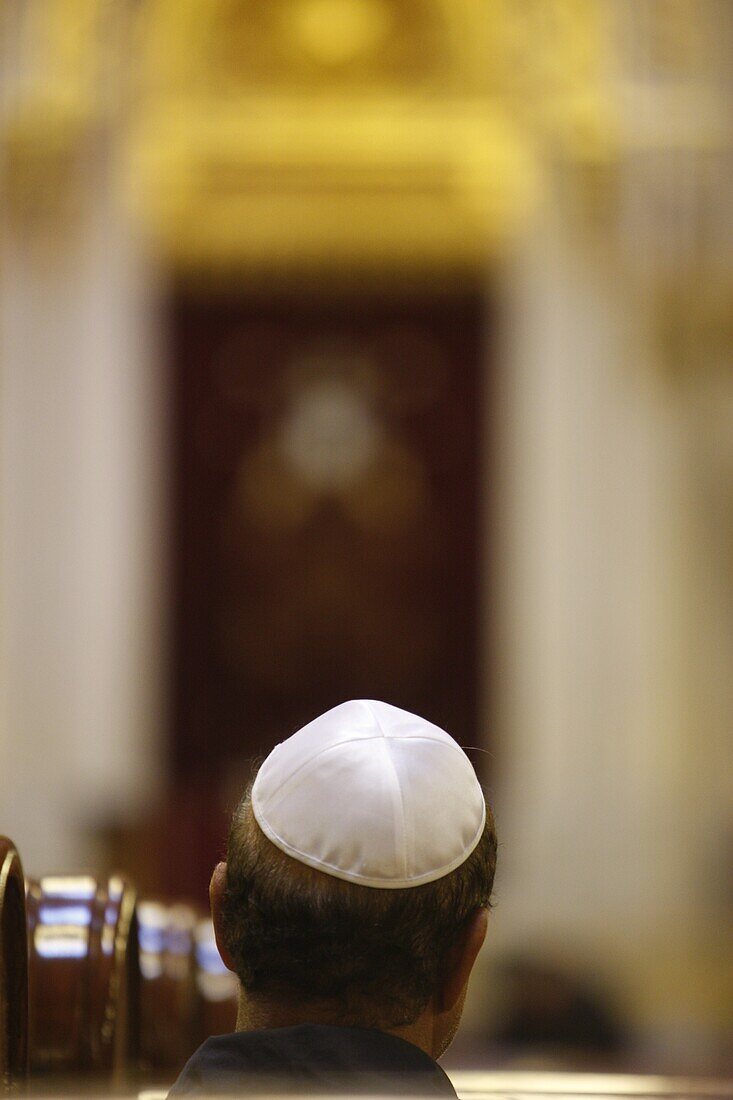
300	937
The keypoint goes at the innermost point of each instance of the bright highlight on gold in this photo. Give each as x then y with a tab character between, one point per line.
335	32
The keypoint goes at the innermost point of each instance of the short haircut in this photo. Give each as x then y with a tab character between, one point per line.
374	956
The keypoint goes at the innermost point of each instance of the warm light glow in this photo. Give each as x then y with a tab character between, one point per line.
81	886
335	32
64	914
63	941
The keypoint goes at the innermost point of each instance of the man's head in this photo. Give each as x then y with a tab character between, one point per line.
315	945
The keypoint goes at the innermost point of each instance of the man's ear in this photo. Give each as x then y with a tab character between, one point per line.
217	889
460	960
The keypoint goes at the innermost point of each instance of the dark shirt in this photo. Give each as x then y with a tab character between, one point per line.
312	1058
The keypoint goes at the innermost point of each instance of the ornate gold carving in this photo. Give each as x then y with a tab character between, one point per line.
284	135
287	135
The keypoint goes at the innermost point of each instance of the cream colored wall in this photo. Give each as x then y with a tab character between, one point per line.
582	578
81	522
610	632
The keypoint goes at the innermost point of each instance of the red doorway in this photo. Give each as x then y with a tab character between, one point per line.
325	526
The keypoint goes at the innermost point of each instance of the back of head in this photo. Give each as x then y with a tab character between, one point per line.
320	913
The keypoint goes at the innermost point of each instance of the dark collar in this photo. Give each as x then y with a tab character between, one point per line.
312	1058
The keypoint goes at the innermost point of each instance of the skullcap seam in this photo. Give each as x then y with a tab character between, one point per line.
398	804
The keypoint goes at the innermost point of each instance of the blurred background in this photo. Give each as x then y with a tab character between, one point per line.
382	348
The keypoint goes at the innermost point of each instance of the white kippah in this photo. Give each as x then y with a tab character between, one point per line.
371	794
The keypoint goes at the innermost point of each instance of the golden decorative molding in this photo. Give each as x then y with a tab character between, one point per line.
286	135
356	183
292	134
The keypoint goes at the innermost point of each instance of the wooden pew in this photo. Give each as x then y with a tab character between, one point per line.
83	976
13	969
168	993
186	992
120	989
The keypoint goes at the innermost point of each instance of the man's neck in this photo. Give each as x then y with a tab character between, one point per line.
255	1015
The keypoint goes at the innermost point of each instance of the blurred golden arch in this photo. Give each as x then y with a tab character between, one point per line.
301	133
313	133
